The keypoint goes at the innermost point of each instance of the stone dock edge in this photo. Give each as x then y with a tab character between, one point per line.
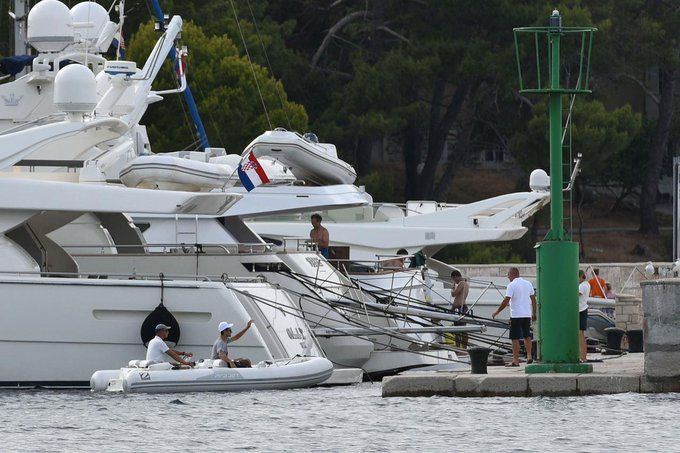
479	385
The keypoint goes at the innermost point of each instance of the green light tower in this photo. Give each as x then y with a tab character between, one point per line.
557	255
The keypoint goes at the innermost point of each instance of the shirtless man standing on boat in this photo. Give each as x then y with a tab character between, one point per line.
319	235
220	351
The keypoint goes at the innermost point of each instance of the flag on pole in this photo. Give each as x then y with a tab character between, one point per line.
251	173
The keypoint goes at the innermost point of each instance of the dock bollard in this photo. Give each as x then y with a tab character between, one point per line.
478	359
635	343
614	336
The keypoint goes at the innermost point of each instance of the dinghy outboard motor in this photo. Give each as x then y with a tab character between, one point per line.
160	315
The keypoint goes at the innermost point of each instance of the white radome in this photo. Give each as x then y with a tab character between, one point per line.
93	13
75	89
50	26
539	181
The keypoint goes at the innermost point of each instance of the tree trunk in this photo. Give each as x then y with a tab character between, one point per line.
439	128
460	152
650	182
363	156
413	142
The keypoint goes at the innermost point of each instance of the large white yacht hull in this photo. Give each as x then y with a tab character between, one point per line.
58	331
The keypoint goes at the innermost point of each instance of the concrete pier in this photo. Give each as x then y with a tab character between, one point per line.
615	375
655	371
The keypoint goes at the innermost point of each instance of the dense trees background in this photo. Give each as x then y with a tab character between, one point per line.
406	77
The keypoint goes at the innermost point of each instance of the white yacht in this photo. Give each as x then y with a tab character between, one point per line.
123	92
53	309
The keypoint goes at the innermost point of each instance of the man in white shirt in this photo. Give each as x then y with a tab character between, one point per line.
520	296
583	293
157	349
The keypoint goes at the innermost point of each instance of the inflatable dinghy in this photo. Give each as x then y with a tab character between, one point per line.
213	376
308	159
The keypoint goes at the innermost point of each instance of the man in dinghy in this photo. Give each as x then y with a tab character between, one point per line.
220	351
157	349
319	235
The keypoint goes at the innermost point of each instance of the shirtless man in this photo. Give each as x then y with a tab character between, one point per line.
459	293
319	235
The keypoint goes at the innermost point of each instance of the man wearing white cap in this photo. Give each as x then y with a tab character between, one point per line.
157	349
219	350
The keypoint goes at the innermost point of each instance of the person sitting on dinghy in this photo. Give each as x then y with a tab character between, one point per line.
157	349
219	350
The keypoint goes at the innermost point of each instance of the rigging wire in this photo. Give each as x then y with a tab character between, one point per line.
363	337
271	71
250	61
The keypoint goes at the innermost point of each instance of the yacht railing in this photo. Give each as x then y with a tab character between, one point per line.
300	244
176	248
224	278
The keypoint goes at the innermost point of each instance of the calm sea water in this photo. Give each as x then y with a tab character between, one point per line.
334	419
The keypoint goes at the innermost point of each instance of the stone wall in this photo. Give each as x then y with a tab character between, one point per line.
661	305
625	278
628	312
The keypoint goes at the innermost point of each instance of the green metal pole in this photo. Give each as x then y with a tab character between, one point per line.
556	257
555	102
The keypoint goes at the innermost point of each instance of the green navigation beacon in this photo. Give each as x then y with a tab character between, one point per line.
557	255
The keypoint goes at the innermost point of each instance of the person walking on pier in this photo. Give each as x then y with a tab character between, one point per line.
583	293
522	300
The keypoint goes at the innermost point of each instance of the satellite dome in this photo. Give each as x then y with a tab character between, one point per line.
92	13
539	181
75	89
50	26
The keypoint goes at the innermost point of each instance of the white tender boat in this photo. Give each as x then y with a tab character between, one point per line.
193	171
213	376
307	159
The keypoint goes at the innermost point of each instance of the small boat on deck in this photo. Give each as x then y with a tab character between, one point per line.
193	171
213	376
307	159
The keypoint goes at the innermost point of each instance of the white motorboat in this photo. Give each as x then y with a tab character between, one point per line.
214	376
307	159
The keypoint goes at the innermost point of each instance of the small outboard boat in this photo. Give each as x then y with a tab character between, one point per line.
190	171
308	159
213	376
174	173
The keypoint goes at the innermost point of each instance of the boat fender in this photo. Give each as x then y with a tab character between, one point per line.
160	315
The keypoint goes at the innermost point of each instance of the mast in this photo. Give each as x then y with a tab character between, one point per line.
188	96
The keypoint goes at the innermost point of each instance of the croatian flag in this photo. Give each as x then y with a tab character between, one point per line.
251	173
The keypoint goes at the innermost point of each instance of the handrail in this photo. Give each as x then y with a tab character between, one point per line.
196	247
132	276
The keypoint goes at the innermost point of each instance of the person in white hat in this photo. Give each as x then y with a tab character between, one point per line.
157	349
220	351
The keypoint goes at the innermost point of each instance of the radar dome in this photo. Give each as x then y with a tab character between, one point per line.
75	89
50	26
89	19
539	181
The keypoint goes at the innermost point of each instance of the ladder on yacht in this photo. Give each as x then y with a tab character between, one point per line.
186	230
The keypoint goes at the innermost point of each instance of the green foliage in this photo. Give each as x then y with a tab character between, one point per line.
603	138
225	91
478	253
379	184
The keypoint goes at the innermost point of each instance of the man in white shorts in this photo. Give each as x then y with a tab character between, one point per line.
522	300
157	349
